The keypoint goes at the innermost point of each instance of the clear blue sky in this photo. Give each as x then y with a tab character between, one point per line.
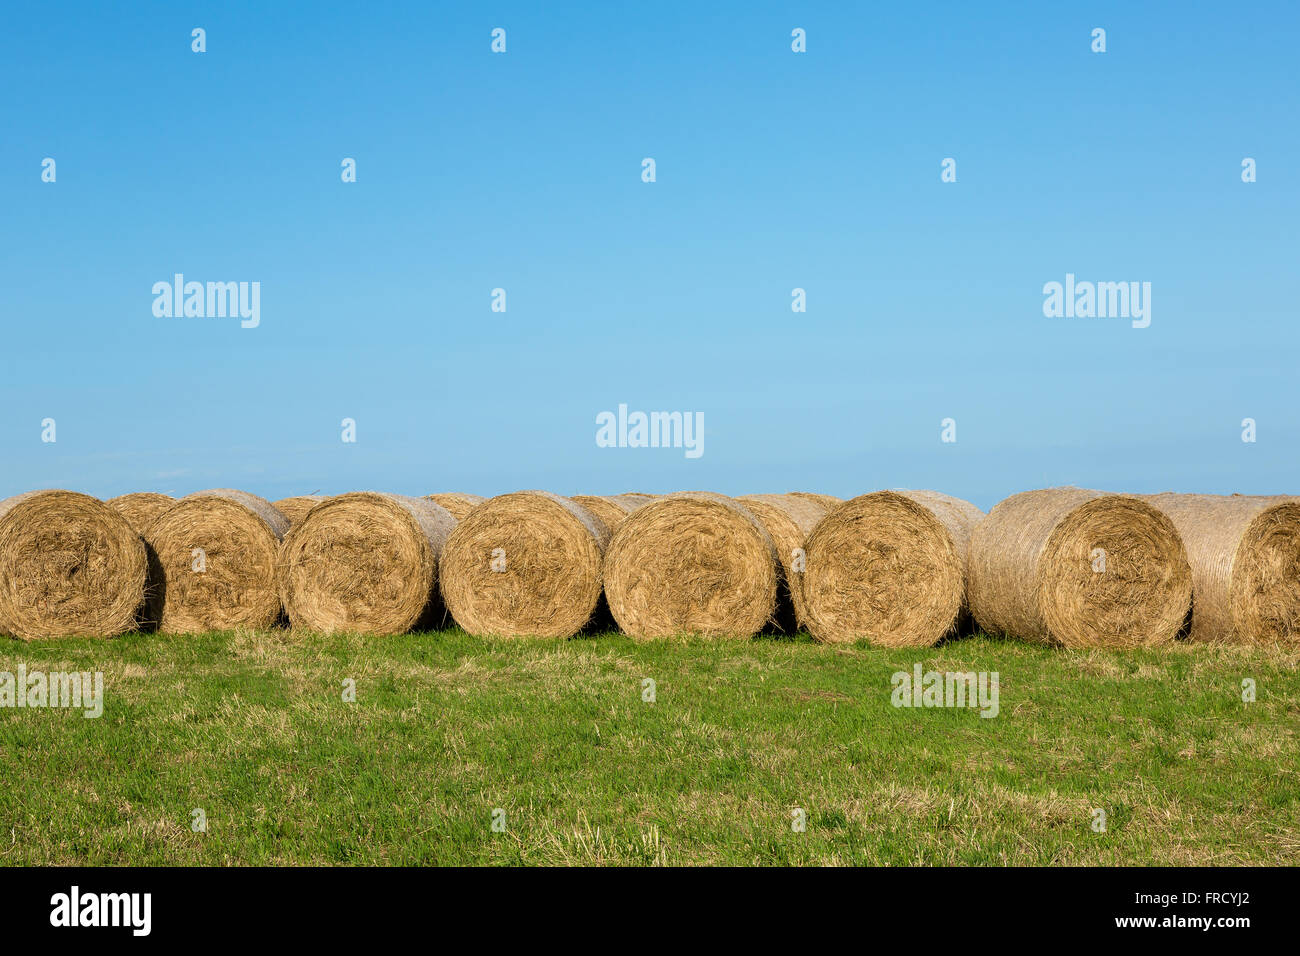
775	170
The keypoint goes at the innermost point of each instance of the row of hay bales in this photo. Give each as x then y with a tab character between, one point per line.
1059	566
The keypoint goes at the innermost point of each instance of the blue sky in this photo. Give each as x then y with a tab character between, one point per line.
775	170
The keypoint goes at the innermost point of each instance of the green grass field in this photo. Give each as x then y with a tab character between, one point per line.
252	728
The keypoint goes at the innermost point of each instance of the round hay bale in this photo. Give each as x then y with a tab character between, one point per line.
610	509
526	563
70	566
692	562
140	508
216	561
457	503
888	567
631	500
365	563
788	519
1245	557
1079	568
826	501
295	508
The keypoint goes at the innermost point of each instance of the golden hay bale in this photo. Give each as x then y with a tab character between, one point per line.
140	508
826	501
365	563
70	566
524	563
1079	568
610	509
215	553
1245	558
295	508
788	519
457	503
632	500
888	567
692	562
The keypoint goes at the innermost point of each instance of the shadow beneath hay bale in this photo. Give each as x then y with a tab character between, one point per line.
783	622
435	616
964	627
155	592
600	623
1185	632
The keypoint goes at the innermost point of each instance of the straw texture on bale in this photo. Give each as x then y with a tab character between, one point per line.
1079	568
691	562
296	507
458	503
610	509
238	535
826	501
633	500
888	567
788	519
140	508
365	563
526	563
70	566
1245	557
